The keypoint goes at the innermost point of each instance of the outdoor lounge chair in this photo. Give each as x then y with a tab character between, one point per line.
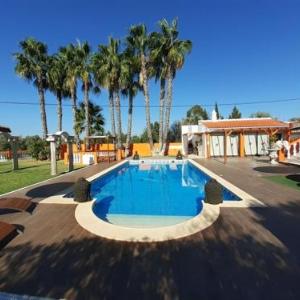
15	203
7	232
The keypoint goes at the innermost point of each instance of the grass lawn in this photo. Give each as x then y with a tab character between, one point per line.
30	171
283	180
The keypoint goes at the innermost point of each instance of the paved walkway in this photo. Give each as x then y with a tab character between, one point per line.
246	254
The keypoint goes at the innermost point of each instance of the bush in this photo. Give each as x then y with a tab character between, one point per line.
37	147
82	189
213	192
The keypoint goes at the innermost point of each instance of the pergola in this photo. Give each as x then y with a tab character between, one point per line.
241	130
13	141
106	138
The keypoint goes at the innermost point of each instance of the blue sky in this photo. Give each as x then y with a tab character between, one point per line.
243	50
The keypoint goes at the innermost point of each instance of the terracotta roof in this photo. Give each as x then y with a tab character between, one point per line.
4	129
244	123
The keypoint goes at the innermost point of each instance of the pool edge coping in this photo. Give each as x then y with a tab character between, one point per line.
86	218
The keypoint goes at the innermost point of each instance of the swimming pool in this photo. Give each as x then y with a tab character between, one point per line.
151	194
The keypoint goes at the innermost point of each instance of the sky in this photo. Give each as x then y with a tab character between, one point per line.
243	51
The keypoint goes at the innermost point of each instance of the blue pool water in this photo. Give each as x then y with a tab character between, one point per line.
151	195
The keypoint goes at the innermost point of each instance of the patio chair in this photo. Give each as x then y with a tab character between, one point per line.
16	203
7	232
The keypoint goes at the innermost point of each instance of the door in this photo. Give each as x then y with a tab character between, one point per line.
217	145
233	145
250	144
262	144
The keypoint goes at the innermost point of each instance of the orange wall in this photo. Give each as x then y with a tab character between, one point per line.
143	149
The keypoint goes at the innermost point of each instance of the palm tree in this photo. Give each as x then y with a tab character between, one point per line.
32	65
96	119
131	86
158	69
174	51
107	71
57	76
84	73
138	42
69	55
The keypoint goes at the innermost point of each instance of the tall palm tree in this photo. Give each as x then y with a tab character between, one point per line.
158	69
85	74
57	76
130	87
69	55
107	71
174	51
138	41
32	65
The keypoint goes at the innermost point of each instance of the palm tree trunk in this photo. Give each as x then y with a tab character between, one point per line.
74	107
43	111
112	113
119	122
161	112
86	113
59	111
129	124
168	110
147	101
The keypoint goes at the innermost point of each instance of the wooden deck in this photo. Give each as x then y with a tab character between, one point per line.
246	254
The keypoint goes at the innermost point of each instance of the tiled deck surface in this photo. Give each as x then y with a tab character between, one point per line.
246	254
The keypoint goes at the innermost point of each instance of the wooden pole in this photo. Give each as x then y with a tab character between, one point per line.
14	147
70	154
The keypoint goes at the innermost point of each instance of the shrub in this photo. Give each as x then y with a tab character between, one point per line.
82	189
37	147
213	192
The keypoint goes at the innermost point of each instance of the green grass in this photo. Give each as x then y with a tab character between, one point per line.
281	179
30	172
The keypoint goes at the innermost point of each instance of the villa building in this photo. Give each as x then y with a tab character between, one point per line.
232	137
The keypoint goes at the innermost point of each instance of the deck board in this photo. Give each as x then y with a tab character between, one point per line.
246	254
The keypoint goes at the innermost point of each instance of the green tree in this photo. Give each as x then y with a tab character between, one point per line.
84	73
158	68
295	119
194	114
174	52
235	114
4	143
32	65
130	87
219	116
96	119
138	42
260	114
70	57
155	133
57	75
107	64
37	147
175	132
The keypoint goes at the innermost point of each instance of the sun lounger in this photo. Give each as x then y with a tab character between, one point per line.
7	232
15	203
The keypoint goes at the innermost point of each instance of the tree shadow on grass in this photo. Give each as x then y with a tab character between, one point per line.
203	266
294	177
277	169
